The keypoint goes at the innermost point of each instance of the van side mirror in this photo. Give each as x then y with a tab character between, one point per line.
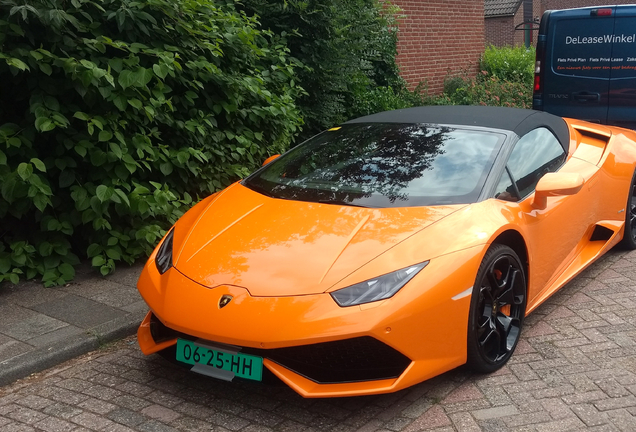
269	159
556	184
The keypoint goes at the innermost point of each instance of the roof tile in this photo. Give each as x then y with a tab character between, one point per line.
493	8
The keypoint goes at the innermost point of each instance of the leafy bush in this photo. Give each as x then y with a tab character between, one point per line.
117	114
380	99
513	64
485	90
506	79
348	51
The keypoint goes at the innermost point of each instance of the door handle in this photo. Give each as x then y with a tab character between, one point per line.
586	96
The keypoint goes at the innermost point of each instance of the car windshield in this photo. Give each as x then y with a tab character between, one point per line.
383	165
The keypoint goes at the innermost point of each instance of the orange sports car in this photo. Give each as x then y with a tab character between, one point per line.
389	249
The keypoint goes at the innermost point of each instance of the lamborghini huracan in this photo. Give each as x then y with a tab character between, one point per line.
389	249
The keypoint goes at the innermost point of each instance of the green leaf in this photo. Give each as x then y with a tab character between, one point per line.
80	150
19	259
45	68
161	70
105	270
67	271
121	102
51	103
113	253
116	64
41	201
82	204
123	196
51	262
116	150
8	189
44	124
52	224
93	250
25	171
82	116
16	63
45	248
103	193
38	164
126	79
88	215
143	76
3	158
14	278
166	168
5	265
98	261
183	157
88	64
105	136
122	172
97	121
135	103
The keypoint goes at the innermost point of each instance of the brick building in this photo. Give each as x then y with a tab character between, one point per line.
439	37
503	17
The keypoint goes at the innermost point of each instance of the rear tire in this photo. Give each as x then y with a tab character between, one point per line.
497	309
629	233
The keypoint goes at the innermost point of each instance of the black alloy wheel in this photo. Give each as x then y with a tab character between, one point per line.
629	234
498	306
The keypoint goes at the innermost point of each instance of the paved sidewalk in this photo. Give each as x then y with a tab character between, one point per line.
42	327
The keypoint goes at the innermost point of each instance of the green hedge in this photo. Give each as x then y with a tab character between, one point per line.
347	51
117	115
512	64
506	79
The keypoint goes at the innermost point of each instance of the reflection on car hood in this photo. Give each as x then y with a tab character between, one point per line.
276	247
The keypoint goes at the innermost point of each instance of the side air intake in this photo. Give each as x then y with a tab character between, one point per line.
601	233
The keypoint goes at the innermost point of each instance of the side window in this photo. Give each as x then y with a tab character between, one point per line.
536	153
506	190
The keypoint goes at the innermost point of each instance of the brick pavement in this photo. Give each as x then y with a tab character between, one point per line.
574	369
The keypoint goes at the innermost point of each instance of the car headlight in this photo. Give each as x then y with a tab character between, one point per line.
380	288
163	260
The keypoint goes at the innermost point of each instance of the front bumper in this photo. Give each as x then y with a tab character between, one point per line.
420	332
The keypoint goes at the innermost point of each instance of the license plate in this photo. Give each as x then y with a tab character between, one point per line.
241	365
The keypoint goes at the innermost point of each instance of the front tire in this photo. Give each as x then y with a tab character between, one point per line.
629	233
497	309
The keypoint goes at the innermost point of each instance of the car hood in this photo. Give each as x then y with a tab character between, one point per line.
275	247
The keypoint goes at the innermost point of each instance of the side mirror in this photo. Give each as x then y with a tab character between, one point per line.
556	184
269	159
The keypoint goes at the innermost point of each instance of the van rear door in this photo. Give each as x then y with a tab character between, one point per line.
622	90
578	63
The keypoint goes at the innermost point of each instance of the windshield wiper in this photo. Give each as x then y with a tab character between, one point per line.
340	202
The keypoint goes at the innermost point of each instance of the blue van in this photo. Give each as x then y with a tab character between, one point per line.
586	64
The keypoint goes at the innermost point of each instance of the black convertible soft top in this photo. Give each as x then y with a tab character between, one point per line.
519	121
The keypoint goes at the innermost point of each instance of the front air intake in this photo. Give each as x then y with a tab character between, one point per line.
349	360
